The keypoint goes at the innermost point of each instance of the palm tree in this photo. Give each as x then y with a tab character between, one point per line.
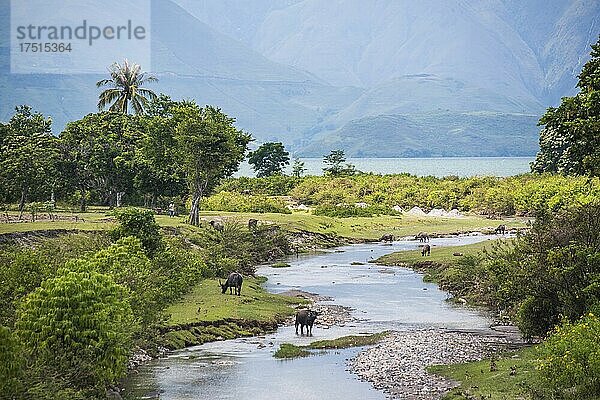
126	81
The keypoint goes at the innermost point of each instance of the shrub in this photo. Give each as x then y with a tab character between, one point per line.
78	327
349	210
570	360
141	224
235	202
11	363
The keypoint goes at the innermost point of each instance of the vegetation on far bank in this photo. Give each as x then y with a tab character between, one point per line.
287	350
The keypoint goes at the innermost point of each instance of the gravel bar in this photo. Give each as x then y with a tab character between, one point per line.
397	364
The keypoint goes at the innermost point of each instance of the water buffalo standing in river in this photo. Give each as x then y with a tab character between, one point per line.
305	317
234	281
426	250
501	229
388	237
422	236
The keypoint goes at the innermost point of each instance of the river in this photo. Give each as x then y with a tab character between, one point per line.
382	298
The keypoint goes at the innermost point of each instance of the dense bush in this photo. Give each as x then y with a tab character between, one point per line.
570	361
235	248
276	185
521	195
25	267
11	362
350	210
139	223
234	202
77	327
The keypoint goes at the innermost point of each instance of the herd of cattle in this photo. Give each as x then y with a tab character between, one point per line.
306	318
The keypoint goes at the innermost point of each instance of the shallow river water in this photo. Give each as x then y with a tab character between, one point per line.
382	298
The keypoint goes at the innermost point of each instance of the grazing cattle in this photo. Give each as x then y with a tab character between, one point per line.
422	236
234	281
305	317
426	250
388	237
252	223
217	225
501	229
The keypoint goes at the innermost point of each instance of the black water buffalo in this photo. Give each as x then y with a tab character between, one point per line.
234	281
217	225
388	237
501	229
426	250
422	236
305	317
252	223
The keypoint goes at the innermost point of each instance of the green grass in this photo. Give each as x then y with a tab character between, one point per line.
287	350
441	255
205	314
356	227
280	265
206	303
477	381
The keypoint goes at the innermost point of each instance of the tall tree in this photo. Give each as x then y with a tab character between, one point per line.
210	149
269	159
334	162
570	139
101	149
298	168
28	156
126	83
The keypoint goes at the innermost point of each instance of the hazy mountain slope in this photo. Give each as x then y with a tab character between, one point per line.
192	60
380	78
432	135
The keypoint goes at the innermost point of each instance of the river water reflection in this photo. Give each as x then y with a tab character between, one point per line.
382	298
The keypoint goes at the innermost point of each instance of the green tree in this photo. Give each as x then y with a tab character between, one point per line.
77	327
159	172
126	83
101	150
298	168
569	141
28	157
269	159
334	164
210	149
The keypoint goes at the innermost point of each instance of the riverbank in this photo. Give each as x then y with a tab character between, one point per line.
205	314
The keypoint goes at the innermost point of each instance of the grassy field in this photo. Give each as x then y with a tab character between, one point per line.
441	255
357	227
509	380
206	303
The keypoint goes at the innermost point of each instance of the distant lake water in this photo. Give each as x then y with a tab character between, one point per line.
460	166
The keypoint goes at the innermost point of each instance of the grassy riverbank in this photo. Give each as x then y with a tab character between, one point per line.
442	267
288	350
508	377
205	314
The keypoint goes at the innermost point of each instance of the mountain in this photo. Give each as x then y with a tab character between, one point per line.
385	78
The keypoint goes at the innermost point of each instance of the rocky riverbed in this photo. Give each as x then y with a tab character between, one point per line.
397	365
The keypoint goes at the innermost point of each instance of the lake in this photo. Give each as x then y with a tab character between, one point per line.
460	166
